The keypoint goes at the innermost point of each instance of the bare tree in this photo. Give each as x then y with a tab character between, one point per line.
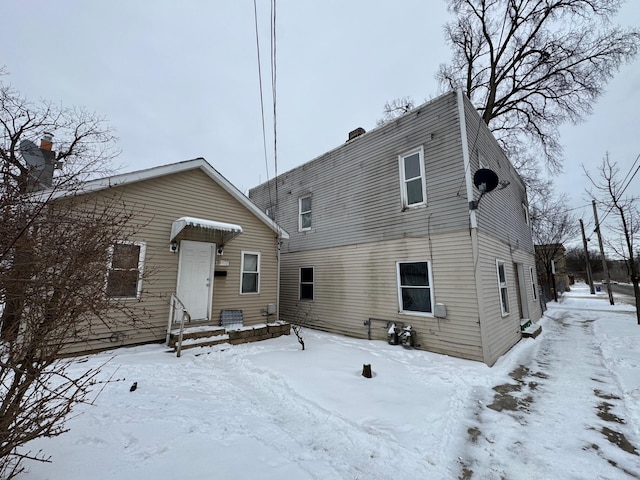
54	249
299	316
395	108
610	192
531	65
552	225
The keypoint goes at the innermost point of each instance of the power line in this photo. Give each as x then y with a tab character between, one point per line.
273	94
264	134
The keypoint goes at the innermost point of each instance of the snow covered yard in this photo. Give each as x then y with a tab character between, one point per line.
565	405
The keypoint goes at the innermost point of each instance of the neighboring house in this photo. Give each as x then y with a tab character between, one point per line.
552	269
199	237
383	231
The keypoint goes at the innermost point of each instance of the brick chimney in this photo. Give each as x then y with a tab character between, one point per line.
356	133
46	143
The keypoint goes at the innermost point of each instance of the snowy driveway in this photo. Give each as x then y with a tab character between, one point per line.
563	406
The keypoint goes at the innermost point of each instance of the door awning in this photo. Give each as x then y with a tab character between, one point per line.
220	231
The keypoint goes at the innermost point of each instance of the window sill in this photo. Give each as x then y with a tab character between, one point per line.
411	313
415	206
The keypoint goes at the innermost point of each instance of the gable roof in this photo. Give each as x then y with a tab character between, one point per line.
155	172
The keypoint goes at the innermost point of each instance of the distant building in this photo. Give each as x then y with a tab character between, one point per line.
552	269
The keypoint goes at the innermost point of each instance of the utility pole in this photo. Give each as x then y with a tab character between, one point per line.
604	260
586	256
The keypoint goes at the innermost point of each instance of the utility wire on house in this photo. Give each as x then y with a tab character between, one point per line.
274	97
264	134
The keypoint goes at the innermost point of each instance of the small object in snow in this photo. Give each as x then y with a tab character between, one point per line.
134	386
366	370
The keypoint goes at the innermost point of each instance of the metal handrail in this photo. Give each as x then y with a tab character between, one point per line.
186	315
172	309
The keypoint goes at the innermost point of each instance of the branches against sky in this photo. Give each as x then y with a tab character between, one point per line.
531	65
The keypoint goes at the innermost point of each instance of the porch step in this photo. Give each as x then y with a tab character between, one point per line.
532	331
198	332
204	341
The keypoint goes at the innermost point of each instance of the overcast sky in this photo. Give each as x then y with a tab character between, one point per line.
179	80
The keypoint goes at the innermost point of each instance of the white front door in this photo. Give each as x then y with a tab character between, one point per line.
195	278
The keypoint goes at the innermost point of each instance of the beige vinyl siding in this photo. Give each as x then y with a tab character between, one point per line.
355	188
357	282
160	201
502	332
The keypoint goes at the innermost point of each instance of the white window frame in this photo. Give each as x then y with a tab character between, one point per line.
429	287
533	283
403	180
525	207
140	269
300	213
503	285
243	253
312	283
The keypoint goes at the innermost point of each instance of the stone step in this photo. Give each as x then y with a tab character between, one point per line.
201	331
203	341
532	331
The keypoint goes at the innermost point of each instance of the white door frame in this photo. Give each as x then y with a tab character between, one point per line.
184	244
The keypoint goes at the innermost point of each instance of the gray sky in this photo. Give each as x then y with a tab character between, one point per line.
179	80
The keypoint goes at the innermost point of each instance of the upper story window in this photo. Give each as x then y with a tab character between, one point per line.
250	268
525	208
306	283
415	293
412	178
304	216
124	270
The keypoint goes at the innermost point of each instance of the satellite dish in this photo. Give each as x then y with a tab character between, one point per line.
40	164
32	154
485	180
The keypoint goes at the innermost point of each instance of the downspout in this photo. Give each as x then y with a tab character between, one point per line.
473	227
278	246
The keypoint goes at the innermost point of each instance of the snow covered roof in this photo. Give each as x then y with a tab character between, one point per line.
184	222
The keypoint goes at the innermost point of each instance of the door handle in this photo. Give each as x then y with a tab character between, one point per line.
208	282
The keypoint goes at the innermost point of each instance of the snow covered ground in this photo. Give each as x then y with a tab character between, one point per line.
563	406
